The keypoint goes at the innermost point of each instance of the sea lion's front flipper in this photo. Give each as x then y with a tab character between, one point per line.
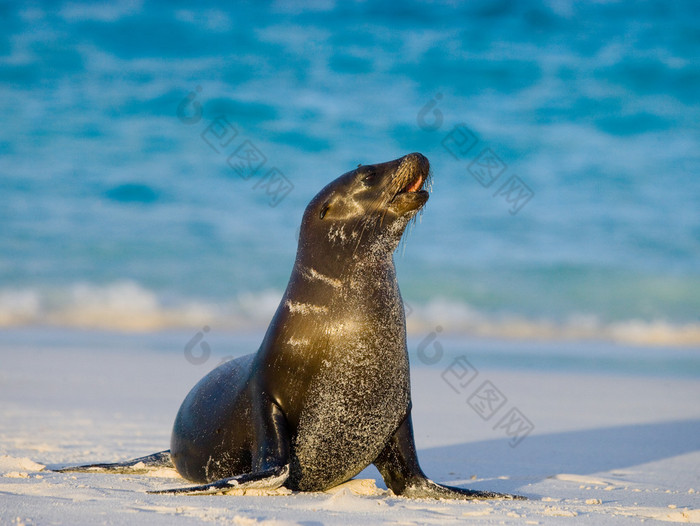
398	464
269	451
268	479
135	466
271	448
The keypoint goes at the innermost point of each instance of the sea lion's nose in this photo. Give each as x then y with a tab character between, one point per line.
418	159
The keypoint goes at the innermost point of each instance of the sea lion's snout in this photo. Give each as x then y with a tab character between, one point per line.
411	176
417	166
418	160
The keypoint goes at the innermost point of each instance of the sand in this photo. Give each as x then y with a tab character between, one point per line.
604	448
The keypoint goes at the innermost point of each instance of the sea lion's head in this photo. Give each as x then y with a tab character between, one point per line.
369	206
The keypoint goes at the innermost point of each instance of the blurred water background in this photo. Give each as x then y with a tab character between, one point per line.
564	139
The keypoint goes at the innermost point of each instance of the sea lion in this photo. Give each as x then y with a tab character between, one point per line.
327	393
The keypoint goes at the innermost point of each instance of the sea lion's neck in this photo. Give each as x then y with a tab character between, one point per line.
342	275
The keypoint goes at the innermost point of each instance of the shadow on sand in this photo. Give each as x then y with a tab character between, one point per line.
541	456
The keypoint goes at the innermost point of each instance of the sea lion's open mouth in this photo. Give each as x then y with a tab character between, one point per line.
414	186
410	178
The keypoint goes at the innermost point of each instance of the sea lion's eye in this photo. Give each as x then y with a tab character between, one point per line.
369	177
323	211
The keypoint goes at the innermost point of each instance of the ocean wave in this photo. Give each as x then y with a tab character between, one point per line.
130	307
127	306
460	318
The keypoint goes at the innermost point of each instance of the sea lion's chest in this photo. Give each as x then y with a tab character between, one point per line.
348	416
341	374
359	395
363	381
361	373
347	348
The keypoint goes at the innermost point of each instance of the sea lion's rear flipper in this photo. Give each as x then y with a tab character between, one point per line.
398	464
135	466
427	489
269	479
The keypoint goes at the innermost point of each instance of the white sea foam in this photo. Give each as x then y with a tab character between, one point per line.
458	317
129	306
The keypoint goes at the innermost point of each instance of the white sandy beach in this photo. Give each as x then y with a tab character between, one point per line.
157	163
605	448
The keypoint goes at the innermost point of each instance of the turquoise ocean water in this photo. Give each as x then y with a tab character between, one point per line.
156	157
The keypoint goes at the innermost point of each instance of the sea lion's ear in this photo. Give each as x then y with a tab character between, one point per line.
324	210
